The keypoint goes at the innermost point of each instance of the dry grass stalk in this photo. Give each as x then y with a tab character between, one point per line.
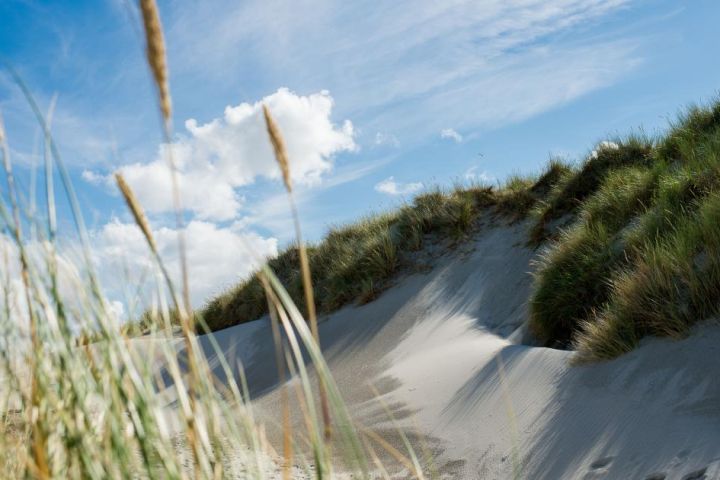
155	45
281	156
136	209
278	147
397	454
38	446
310	302
273	301
143	224
158	65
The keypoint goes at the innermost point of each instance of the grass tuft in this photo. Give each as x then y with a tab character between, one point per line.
642	254
573	188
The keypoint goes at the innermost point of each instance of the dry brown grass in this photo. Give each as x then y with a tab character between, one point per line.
278	143
155	50
136	210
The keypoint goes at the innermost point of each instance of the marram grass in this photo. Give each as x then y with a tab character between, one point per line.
102	410
641	256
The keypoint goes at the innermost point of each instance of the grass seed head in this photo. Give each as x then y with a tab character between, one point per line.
156	53
136	209
278	147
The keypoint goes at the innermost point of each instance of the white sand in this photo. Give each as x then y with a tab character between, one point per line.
445	349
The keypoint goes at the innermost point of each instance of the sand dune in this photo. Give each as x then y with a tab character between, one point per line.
448	352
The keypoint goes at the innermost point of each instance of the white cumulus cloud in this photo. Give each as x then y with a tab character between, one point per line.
69	268
218	257
93	177
390	187
451	134
216	158
472	174
604	145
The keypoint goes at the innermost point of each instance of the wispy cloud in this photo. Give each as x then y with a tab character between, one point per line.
382	138
271	212
390	187
411	70
451	134
472	174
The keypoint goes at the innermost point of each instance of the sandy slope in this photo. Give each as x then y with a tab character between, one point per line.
445	350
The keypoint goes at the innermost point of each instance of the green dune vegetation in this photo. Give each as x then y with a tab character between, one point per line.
642	256
630	240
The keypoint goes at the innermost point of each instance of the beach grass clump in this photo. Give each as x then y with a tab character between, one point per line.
517	197
354	261
697	124
625	193
641	257
574	187
567	286
675	284
555	172
574	275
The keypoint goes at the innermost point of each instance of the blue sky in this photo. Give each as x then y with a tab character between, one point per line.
377	100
